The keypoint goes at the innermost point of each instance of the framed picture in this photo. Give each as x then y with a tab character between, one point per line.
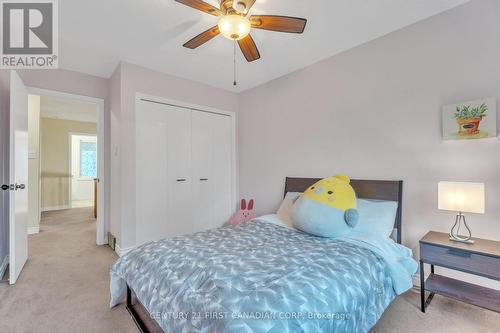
470	120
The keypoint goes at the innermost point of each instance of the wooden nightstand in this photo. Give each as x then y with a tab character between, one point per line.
481	258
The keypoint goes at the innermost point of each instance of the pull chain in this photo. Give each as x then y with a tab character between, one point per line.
234	63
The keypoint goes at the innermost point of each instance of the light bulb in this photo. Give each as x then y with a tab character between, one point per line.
234	27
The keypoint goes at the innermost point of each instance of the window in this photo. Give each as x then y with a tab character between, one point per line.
88	159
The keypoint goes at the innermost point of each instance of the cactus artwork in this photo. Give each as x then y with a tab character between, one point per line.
470	120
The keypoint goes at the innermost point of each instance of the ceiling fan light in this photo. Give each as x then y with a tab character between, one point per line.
234	27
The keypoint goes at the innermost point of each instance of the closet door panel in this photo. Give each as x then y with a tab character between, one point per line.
222	157
151	172
163	172
212	169
203	182
180	217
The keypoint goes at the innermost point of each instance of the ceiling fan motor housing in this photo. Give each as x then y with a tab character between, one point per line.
240	6
233	6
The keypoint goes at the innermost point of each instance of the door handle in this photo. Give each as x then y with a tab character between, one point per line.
203	179
20	187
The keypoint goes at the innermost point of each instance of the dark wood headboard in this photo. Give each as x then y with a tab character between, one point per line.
391	190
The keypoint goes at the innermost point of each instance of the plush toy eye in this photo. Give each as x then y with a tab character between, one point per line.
330	192
312	188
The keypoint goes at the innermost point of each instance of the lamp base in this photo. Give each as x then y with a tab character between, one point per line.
468	241
454	232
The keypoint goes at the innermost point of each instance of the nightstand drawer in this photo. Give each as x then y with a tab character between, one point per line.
461	260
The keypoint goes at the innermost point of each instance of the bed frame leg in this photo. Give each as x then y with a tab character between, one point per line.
129	297
137	319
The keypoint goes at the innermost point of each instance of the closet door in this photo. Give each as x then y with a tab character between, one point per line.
212	169
202	146
179	181
163	172
222	169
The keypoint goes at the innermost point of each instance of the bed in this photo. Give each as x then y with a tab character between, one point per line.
263	277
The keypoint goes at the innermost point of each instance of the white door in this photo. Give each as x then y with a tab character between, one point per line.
18	174
212	169
163	172
83	169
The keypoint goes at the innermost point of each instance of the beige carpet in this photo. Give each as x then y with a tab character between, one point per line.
443	316
64	288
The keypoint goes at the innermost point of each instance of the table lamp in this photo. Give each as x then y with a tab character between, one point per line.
461	198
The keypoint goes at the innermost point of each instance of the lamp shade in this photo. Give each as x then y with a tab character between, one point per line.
461	197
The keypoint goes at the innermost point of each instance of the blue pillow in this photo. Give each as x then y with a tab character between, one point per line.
376	217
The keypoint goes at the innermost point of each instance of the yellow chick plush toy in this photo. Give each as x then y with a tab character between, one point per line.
327	208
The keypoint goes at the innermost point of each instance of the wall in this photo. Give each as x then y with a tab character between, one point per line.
55	157
33	164
374	112
4	165
135	79
66	81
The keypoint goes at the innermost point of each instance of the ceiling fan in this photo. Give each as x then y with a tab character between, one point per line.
235	25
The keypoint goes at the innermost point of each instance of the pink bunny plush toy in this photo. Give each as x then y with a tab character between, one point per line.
243	214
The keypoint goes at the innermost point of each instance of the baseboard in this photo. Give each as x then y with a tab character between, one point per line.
416	277
3	266
33	230
52	208
123	251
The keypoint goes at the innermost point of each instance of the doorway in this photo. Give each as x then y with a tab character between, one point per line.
71	157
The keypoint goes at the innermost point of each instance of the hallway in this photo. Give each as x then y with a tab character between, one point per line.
64	286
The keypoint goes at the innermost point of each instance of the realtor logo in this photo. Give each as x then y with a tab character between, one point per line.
29	33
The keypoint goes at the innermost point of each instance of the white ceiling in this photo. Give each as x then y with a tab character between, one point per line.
67	109
95	35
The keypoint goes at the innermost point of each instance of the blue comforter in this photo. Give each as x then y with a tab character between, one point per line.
262	277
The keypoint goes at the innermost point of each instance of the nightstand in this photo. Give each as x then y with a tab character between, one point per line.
481	258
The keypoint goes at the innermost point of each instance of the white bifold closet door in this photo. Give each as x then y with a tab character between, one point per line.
183	171
211	157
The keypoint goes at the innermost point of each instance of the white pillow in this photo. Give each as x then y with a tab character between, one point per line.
285	210
376	217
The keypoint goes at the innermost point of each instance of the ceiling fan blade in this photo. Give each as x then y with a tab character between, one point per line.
279	23
202	38
201	5
249	49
